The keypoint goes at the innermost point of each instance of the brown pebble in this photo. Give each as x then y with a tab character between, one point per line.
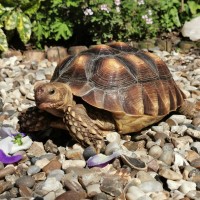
25	191
196	163
191	155
71	195
39	176
52	165
5	186
6	171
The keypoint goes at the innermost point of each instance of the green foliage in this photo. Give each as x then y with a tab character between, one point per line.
41	21
52	21
16	15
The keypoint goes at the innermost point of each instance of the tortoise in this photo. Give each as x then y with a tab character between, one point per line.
106	88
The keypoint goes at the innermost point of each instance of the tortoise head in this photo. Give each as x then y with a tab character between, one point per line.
53	97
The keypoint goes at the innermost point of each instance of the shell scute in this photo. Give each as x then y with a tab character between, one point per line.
121	79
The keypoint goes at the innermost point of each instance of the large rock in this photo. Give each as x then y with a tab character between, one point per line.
191	29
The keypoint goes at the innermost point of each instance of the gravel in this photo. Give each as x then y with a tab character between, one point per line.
55	168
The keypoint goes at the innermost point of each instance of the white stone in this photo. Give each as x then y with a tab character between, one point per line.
151	186
169	174
50	196
155	151
179	160
191	29
176	195
40	75
145	197
93	189
134	193
51	184
73	163
196	146
187	186
113	137
112	147
42	162
174	185
193	133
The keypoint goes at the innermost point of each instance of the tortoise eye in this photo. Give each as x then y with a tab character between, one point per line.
51	91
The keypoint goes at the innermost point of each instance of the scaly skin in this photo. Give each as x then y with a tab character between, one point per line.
57	109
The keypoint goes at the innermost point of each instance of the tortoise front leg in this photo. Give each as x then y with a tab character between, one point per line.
34	119
88	127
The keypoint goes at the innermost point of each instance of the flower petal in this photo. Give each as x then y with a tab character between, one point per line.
101	160
7	131
26	143
9	159
6	144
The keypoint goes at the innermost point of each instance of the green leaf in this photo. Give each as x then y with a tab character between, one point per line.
62	30
175	17
33	7
9	3
11	21
24	27
18	139
3	41
193	7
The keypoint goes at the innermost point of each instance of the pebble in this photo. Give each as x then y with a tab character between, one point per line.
187	186
42	162
7	171
167	157
155	151
50	196
93	189
169	174
134	193
56	173
168	151
51	184
52	165
71	195
112	185
151	186
41	176
36	149
27	181
73	163
33	169
196	163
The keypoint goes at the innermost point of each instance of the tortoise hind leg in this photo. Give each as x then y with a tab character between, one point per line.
87	126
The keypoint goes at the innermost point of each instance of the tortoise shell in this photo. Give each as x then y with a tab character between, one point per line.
121	79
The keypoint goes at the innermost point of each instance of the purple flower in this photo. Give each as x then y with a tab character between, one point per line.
12	141
104	7
9	159
88	11
117	2
101	160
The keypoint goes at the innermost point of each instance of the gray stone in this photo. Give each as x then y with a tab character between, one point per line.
112	185
57	173
33	169
26	181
